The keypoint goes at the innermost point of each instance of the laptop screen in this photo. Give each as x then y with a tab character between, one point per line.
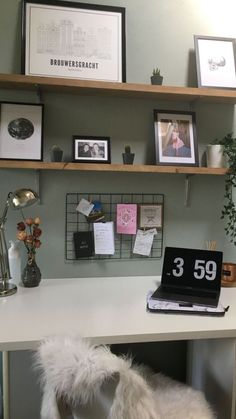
192	268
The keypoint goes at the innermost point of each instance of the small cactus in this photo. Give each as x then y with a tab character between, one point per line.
127	149
55	148
156	72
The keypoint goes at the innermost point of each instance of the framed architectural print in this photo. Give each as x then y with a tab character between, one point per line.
175	138
215	59
150	216
90	149
21	131
73	40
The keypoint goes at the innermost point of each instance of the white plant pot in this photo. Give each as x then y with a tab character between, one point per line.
215	156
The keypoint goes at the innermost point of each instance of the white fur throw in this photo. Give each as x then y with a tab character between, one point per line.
96	384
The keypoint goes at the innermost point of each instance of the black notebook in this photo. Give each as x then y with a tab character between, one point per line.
190	276
83	243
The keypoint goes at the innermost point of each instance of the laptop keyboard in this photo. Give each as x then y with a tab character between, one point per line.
198	293
201	298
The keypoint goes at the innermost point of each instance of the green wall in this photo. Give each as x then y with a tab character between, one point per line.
158	33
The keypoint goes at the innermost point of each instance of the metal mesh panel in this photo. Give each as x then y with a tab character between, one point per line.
123	243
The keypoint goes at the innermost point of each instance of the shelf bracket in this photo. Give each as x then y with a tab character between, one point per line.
38	185
38	92
187	190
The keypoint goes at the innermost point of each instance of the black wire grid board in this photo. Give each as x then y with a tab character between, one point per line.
123	243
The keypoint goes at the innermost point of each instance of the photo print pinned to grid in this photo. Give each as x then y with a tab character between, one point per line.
175	138
21	131
91	149
150	216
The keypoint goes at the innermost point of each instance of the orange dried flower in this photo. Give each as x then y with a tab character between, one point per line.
29	221
21	235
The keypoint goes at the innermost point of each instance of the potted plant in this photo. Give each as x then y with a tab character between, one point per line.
56	153
128	157
215	156
229	209
156	77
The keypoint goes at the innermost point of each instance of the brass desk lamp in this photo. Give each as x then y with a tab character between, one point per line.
18	199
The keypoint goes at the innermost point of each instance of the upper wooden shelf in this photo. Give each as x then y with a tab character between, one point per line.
136	168
77	86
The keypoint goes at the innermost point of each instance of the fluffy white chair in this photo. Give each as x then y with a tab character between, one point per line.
90	382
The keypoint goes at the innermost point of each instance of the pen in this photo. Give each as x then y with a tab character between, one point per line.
185	305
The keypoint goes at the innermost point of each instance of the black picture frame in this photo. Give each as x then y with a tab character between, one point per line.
175	138
21	131
73	40
84	150
215	61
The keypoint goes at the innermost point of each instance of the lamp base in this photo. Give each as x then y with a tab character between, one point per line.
7	289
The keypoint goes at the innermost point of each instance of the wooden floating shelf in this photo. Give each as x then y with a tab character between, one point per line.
126	90
97	167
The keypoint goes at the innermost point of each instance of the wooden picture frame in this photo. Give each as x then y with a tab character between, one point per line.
175	138
73	40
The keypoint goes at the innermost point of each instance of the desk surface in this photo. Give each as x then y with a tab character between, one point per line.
108	310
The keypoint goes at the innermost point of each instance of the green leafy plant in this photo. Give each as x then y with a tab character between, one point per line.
229	209
156	72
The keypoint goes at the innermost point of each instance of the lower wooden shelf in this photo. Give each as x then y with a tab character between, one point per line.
115	167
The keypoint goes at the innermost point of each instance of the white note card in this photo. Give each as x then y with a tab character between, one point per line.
84	207
143	241
104	242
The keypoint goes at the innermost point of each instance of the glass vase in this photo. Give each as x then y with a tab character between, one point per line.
31	275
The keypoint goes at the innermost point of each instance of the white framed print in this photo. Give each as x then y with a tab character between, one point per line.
21	131
73	40
215	59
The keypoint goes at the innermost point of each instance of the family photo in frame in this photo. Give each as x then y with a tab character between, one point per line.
91	149
175	138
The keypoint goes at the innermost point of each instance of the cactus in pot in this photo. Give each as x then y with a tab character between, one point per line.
128	157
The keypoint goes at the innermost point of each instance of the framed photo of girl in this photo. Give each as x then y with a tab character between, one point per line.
175	138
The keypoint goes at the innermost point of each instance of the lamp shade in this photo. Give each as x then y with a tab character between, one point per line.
23	198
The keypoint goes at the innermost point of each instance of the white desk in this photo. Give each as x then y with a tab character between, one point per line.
113	310
109	310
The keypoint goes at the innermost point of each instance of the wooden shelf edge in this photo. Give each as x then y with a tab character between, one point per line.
114	167
23	82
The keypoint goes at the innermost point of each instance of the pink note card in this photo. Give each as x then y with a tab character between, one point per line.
126	218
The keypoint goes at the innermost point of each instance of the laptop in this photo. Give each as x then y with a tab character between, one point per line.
190	276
